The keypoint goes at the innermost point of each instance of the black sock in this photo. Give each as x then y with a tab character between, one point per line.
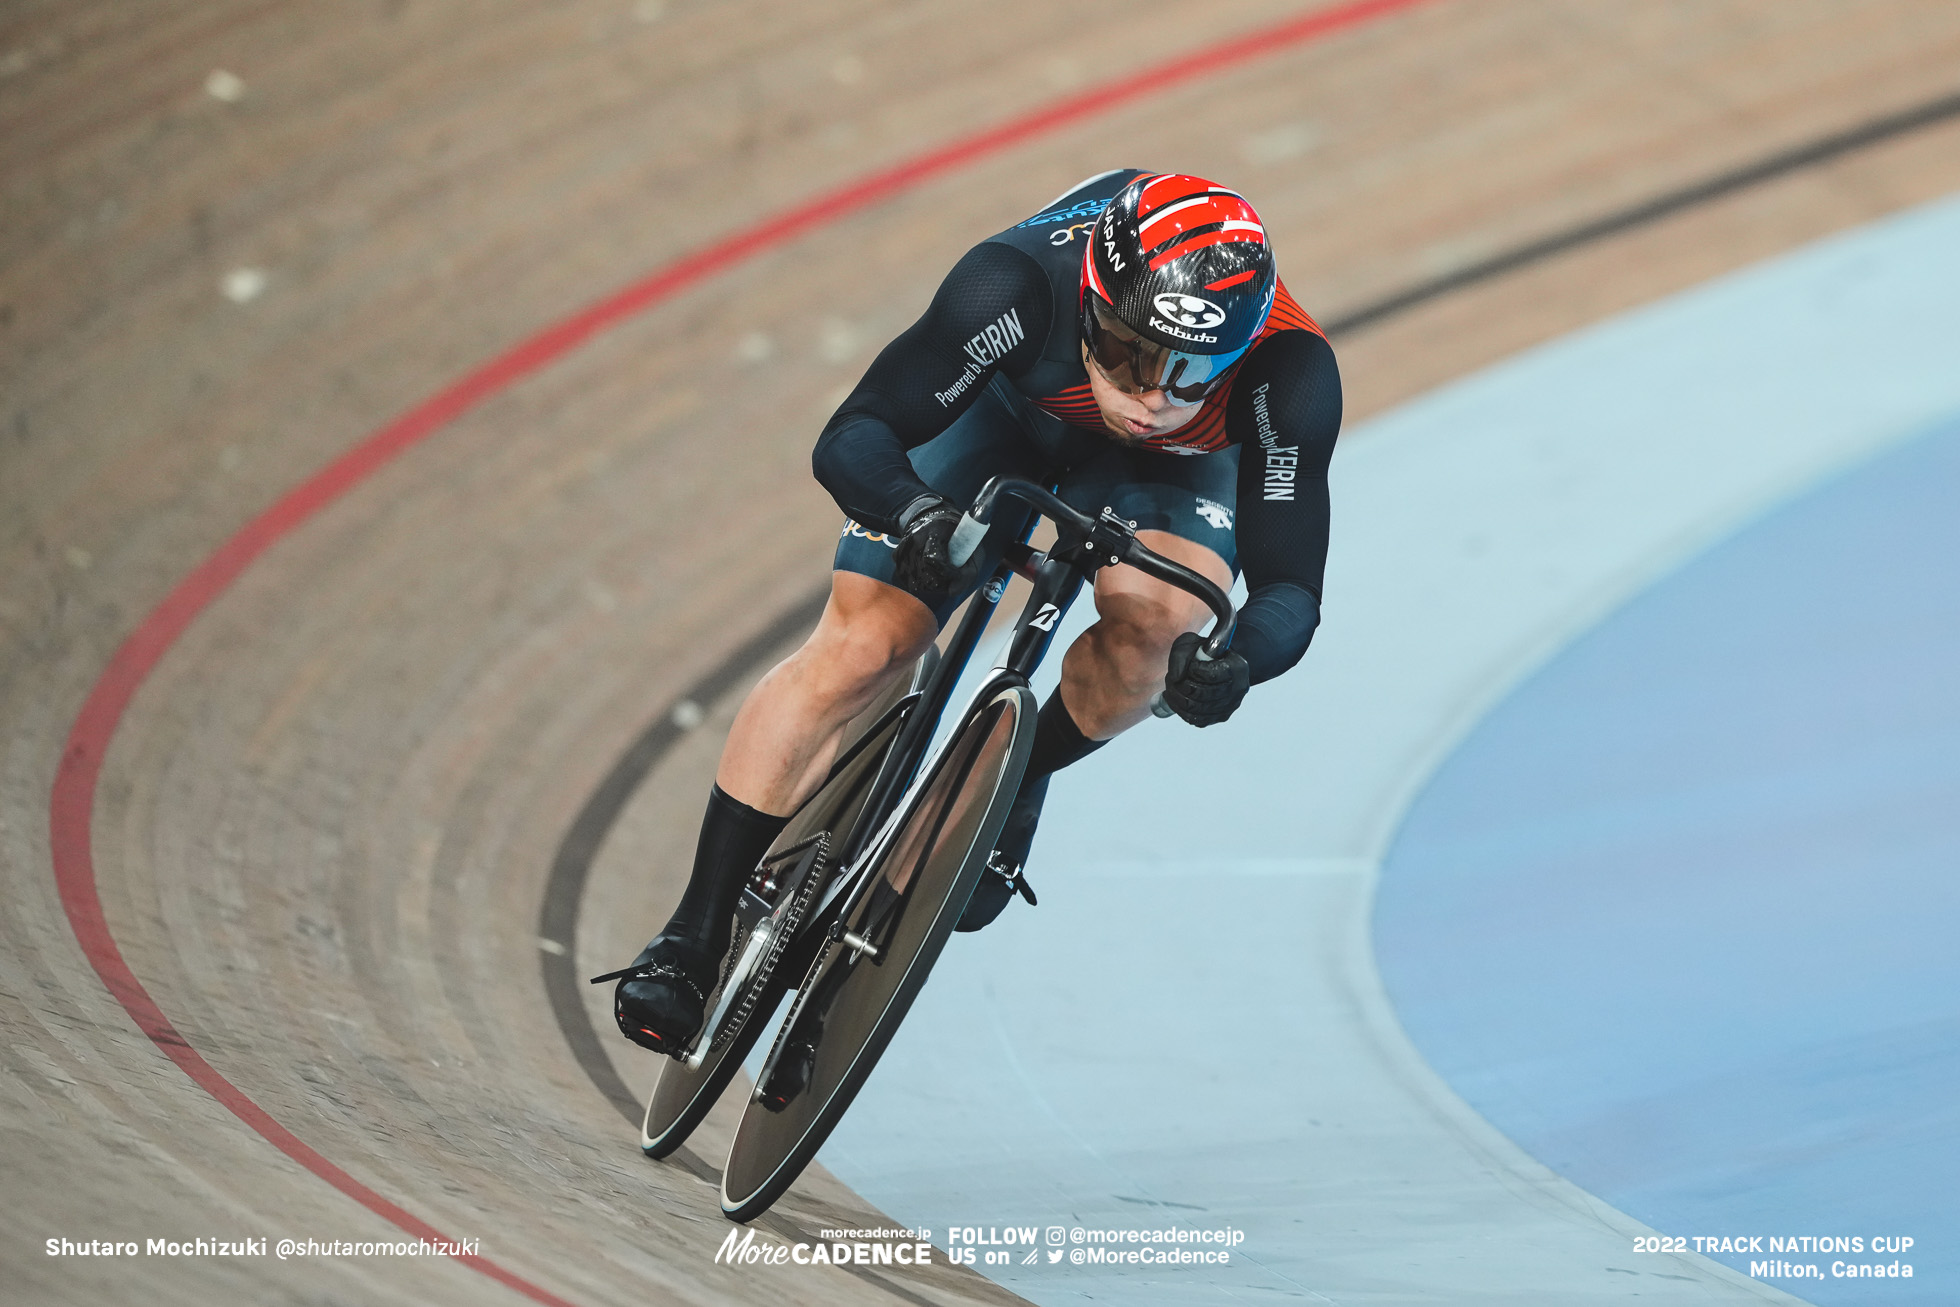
734	837
1058	741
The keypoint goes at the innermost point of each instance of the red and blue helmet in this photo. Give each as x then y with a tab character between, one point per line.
1177	281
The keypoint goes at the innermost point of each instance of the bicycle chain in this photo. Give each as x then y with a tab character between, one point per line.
730	958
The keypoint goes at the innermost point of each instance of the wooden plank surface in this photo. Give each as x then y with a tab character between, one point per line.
322	834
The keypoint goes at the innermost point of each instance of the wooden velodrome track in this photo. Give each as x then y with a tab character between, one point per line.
323	835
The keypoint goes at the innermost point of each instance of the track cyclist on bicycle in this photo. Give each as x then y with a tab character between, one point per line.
1130	344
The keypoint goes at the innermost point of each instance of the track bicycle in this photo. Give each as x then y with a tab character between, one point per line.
855	899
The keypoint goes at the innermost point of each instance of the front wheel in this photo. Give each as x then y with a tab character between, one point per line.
878	953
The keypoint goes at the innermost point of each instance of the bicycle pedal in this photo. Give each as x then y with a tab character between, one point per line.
1017	880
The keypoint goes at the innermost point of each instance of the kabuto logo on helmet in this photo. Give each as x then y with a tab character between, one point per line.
1189	310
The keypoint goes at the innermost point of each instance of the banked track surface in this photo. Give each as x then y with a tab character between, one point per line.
572	863
309	795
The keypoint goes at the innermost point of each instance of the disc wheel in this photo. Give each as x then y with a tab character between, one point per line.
851	1001
684	1095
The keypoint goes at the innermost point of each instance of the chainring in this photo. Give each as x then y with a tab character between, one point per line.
787	919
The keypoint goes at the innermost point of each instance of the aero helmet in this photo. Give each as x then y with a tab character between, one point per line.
1177	281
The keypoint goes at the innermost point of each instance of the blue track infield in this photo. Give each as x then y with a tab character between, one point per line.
1679	917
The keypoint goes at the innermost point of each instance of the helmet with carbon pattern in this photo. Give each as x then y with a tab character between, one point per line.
1177	282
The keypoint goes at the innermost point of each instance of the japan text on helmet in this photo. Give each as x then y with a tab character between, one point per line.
1176	284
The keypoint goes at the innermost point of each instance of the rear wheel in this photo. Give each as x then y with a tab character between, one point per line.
877	954
821	827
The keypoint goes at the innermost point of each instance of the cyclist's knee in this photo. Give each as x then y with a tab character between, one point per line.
1144	623
1135	634
869	630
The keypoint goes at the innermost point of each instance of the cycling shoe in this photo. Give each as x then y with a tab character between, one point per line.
795	1067
1003	877
998	883
663	996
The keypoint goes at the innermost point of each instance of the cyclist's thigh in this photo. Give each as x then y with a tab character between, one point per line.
1191	496
990	439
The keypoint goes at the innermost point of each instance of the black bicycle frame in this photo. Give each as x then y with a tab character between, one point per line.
1083	545
909	749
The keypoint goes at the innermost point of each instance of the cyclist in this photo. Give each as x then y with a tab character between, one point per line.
1130	344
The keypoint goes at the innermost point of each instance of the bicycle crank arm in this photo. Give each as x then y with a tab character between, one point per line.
752	954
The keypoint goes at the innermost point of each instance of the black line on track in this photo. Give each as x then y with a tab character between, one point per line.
1823	149
565	887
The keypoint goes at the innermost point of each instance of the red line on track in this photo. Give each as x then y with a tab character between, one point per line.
73	800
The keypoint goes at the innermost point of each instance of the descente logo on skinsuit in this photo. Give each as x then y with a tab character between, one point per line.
1215	513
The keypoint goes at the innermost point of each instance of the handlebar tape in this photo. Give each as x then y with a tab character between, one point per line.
966	540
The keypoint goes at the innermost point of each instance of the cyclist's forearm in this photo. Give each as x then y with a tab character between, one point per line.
1290	418
1275	627
862	463
1283	549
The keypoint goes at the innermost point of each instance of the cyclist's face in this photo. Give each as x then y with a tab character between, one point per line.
1134	418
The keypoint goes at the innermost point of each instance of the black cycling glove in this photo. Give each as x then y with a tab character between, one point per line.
923	565
1204	692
